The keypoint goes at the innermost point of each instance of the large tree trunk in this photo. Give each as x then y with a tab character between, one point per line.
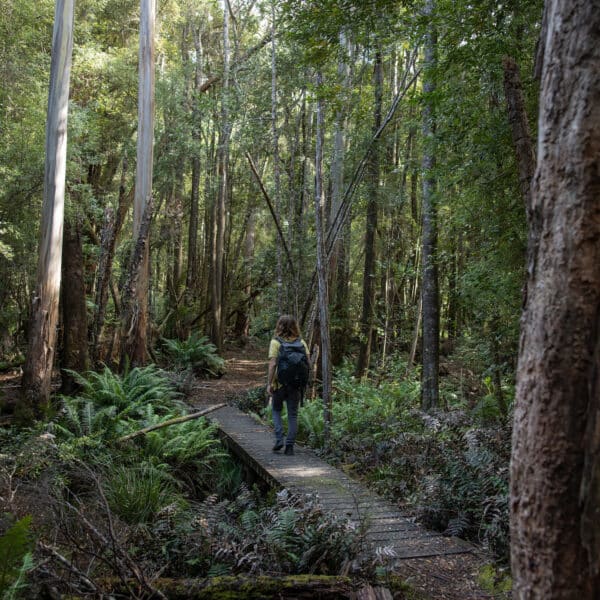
322	264
430	292
37	372
135	346
555	469
366	319
192	264
74	311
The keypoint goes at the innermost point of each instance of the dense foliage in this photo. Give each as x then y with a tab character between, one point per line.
170	502
219	112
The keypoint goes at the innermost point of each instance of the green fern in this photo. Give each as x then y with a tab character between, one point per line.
311	425
196	353
110	405
138	494
129	392
15	558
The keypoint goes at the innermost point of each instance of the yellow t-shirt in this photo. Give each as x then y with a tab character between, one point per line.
274	351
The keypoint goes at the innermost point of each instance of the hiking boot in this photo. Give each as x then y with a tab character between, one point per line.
278	446
289	450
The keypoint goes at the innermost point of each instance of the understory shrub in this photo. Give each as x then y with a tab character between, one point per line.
468	495
195	354
110	406
293	535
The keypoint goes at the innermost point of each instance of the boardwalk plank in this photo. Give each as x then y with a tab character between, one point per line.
307	474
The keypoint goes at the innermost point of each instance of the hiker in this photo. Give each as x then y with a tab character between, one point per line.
287	378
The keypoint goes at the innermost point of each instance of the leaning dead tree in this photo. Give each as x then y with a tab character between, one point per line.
44	309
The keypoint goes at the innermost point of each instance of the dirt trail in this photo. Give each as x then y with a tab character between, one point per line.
246	369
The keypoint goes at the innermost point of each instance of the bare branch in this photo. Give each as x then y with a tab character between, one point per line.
170	422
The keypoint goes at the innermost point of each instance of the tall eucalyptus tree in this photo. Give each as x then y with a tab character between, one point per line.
322	263
136	321
37	371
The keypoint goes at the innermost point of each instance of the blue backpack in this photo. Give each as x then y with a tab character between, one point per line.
292	364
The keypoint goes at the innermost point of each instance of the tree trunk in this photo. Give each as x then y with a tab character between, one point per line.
242	326
339	263
322	266
366	319
517	117
220	211
108	241
37	371
555	468
74	310
192	264
130	298
430	292
281	302
136	341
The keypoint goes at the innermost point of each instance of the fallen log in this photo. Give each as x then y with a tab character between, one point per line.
174	421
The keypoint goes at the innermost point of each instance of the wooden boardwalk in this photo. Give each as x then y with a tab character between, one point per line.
307	474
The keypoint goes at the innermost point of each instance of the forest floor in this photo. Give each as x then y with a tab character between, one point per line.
453	577
436	578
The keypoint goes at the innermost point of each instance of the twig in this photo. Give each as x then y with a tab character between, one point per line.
69	565
111	530
174	421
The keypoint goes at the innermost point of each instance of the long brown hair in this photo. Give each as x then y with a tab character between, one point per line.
287	327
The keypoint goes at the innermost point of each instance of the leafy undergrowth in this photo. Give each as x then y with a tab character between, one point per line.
448	467
170	503
195	354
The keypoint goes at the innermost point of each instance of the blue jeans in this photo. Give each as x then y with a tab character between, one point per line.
291	397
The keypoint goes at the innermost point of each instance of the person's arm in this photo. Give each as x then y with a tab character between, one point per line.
271	375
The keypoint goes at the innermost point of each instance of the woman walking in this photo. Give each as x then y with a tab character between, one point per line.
288	372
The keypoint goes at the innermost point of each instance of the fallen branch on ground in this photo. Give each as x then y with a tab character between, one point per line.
174	421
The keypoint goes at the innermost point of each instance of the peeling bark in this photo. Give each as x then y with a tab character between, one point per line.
135	345
131	311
